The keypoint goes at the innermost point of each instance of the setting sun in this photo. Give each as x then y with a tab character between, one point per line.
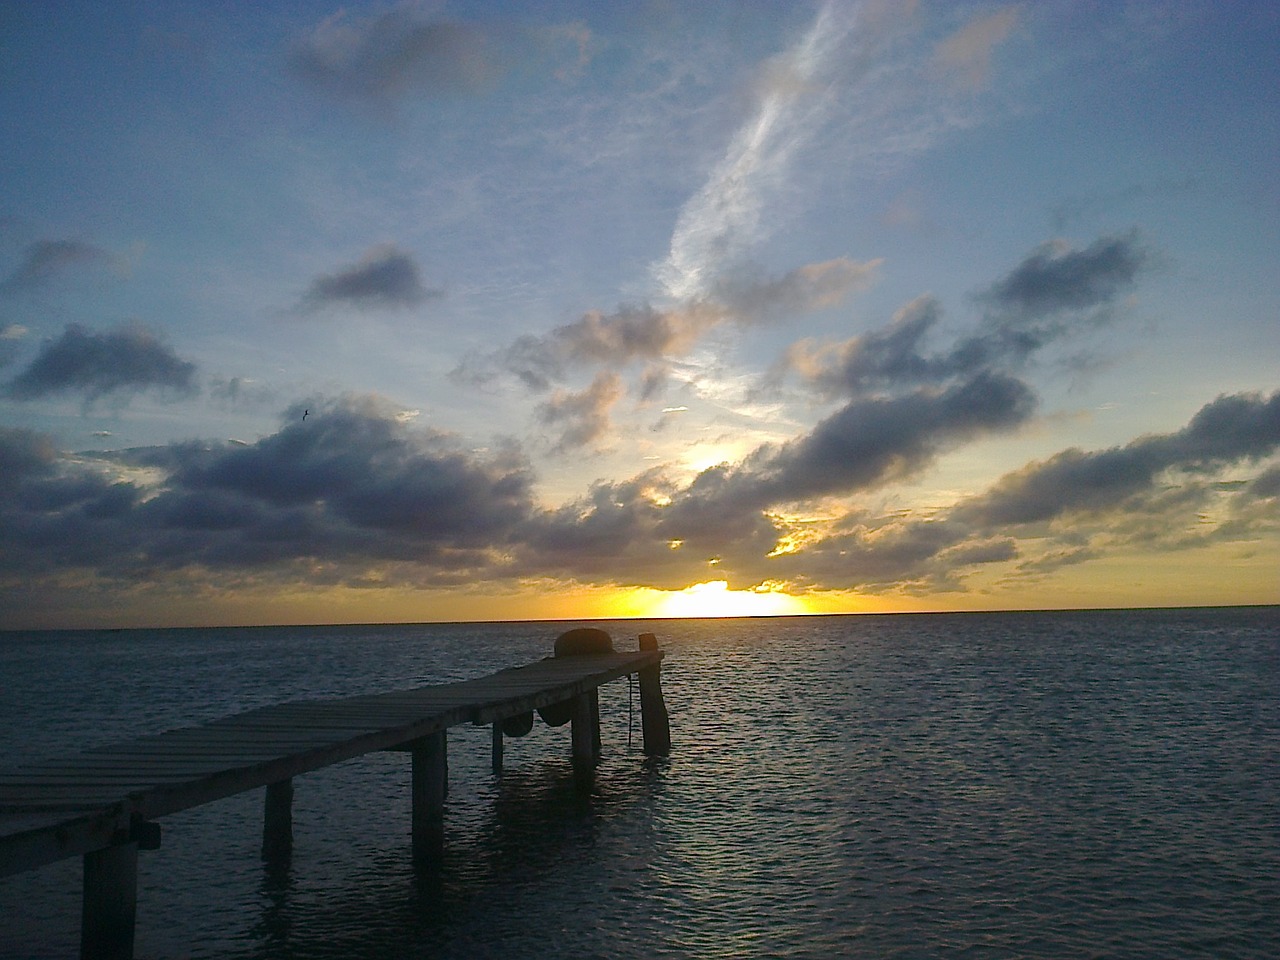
715	599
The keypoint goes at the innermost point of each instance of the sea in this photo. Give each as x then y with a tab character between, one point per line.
1053	785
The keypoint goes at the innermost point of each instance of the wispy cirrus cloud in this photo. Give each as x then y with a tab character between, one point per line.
725	218
965	56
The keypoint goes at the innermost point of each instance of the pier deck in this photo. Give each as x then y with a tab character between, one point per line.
102	803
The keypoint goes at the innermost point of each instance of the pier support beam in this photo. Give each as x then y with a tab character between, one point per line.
430	784
277	822
586	731
110	905
497	746
654	722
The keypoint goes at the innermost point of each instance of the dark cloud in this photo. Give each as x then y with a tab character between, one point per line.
384	277
1075	507
95	364
357	465
886	357
45	259
584	415
725	511
390	55
350	485
24	454
356	494
1049	296
1056	277
872	441
1267	484
1231	429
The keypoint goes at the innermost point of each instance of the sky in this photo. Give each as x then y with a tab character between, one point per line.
472	311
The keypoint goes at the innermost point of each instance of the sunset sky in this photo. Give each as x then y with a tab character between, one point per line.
441	311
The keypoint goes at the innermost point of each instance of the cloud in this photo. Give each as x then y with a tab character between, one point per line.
631	333
96	364
393	54
584	414
45	259
724	219
352	484
871	441
646	333
357	487
23	454
1075	507
1231	429
814	286
385	58
385	277
965	56
1040	301
1056	277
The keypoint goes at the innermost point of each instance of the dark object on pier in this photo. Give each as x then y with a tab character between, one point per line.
518	725
573	643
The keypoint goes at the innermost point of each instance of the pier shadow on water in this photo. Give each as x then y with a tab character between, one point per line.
524	853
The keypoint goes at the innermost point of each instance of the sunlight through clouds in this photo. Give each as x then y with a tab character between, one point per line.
713	598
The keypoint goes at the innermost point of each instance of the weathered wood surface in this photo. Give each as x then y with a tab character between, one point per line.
64	807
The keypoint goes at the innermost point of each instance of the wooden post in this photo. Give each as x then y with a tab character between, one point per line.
654	721
596	745
110	905
277	822
497	746
585	734
430	783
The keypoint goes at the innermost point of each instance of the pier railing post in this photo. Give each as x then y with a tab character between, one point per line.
110	905
430	783
277	822
654	722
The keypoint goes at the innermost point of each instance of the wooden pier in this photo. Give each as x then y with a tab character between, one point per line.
102	804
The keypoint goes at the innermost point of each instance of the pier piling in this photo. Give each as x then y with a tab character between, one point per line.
654	721
277	822
430	784
110	904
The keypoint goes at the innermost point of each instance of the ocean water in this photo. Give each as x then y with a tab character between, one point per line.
1061	785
